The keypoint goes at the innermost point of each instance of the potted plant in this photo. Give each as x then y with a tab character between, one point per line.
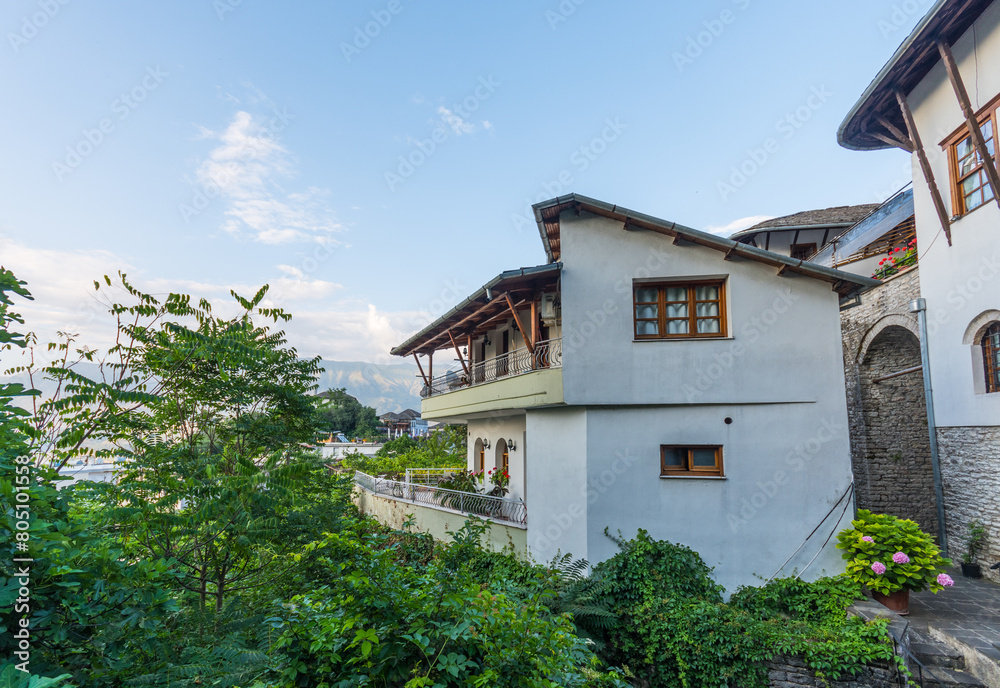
975	538
892	557
500	480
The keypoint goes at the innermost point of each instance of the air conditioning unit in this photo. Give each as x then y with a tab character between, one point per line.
548	310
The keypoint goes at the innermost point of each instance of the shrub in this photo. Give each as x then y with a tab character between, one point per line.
888	554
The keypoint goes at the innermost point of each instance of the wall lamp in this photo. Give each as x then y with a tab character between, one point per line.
510	445
486	444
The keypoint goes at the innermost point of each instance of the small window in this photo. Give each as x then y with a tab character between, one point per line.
696	460
680	310
991	357
802	251
969	183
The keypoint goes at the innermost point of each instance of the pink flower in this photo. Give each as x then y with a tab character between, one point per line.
945	580
879	568
868	538
900	558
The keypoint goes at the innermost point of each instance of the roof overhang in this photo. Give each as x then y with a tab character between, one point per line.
486	303
548	214
947	20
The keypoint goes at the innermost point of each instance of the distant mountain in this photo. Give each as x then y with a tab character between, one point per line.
383	387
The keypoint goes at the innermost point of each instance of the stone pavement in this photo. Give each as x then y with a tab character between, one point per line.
965	617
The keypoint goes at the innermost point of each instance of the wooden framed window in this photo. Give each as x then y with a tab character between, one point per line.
970	186
802	251
991	357
676	310
690	460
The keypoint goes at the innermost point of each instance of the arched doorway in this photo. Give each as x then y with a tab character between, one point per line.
895	475
478	456
502	456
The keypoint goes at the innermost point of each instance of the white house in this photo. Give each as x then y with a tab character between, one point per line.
654	376
937	99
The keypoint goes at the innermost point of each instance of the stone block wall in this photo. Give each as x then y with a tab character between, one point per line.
792	672
970	471
890	448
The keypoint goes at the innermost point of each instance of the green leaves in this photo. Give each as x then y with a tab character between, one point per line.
871	545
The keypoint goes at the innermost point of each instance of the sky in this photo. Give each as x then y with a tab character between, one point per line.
374	162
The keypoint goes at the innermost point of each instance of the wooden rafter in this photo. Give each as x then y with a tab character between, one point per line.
731	253
925	164
898	138
970	117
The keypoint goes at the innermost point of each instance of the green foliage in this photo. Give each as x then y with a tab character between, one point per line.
890	535
340	412
443	449
823	601
12	677
975	539
383	623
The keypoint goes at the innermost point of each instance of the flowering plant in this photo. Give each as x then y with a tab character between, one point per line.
897	258
500	480
889	554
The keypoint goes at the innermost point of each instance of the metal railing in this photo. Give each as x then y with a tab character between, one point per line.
485	506
429	476
547	354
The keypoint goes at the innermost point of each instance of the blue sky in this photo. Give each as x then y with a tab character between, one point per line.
374	161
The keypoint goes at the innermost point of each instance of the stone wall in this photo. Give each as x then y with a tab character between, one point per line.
970	471
890	449
792	672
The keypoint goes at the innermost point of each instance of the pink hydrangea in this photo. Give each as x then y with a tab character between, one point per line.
879	568
868	538
945	580
900	558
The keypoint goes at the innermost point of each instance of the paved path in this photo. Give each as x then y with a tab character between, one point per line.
969	612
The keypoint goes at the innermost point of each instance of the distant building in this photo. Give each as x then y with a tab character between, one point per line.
80	471
407	423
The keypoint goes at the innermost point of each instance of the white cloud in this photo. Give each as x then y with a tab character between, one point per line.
456	122
65	300
245	169
737	225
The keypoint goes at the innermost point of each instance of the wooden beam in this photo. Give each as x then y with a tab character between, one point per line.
517	318
534	321
782	270
826	234
430	366
731	252
970	117
421	369
898	138
925	165
458	351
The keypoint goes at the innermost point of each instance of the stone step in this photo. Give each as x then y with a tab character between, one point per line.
944	677
937	655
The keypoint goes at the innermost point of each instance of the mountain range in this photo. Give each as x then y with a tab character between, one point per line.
383	387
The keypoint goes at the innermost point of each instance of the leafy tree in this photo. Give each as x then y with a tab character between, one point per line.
340	412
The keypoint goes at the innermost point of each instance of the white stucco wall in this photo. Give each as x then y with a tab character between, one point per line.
785	332
961	281
785	467
556	472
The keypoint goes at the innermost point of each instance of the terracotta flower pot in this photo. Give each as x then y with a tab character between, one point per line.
898	601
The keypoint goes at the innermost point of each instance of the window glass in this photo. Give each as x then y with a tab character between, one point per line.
700	458
680	310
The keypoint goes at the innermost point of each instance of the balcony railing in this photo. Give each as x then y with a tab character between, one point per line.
485	506
547	354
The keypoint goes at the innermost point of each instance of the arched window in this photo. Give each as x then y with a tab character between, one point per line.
991	356
503	455
479	456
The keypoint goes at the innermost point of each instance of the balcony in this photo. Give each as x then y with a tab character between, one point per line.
509	512
546	356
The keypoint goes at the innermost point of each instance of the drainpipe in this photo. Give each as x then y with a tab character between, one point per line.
919	306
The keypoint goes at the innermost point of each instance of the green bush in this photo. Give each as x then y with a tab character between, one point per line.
888	554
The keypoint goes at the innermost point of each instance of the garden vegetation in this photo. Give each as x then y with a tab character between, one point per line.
228	555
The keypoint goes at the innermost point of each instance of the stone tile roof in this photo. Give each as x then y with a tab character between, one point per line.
840	215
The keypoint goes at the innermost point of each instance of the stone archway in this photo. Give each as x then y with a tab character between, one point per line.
893	472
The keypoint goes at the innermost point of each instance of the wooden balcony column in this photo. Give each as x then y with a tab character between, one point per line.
427	380
925	165
970	118
458	351
517	319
